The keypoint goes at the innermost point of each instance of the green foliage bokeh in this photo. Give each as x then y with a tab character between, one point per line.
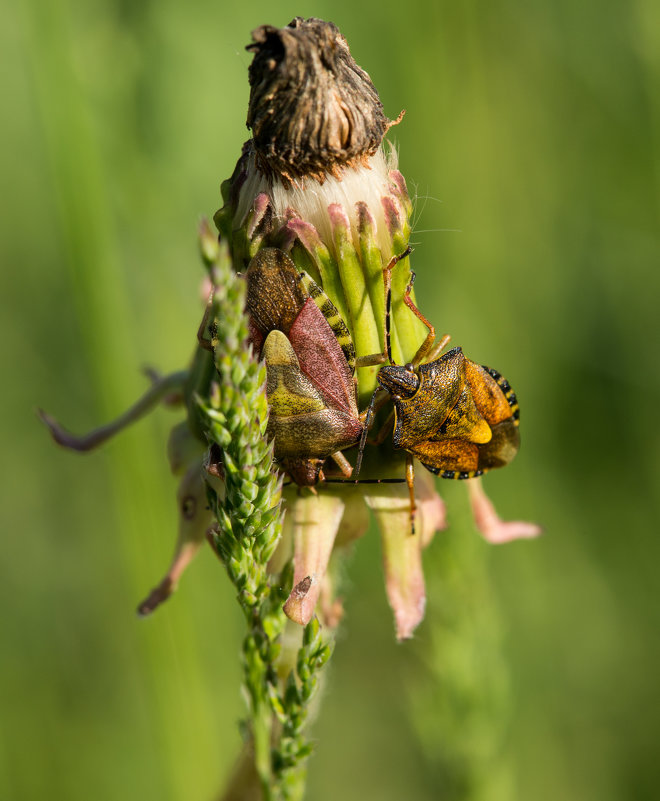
532	145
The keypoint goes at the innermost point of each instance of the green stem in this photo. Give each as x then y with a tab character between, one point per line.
160	389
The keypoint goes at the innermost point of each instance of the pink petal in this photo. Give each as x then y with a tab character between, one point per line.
432	512
313	521
402	556
194	519
355	521
492	528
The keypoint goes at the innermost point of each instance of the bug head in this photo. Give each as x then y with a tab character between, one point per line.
438	377
304	472
402	382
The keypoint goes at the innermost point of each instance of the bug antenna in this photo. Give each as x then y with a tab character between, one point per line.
365	481
365	433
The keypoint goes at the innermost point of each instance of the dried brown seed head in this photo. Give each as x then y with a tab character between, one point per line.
312	108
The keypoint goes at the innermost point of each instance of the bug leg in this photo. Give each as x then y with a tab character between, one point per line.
371	360
427	344
377	403
437	349
427	350
367	418
159	389
410	481
343	463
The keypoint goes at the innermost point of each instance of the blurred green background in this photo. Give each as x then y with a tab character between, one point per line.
532	144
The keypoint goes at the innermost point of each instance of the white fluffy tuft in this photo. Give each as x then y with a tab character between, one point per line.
310	199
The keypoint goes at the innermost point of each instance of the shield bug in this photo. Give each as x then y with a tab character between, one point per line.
310	367
460	419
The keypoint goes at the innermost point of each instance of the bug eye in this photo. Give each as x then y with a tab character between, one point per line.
410	367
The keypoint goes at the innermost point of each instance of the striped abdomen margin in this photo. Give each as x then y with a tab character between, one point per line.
509	394
333	318
455	474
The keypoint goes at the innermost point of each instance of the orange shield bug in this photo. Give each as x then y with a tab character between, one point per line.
310	367
458	418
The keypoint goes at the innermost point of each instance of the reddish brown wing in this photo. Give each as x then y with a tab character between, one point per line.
321	358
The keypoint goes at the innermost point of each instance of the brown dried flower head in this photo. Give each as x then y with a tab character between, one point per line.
312	109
